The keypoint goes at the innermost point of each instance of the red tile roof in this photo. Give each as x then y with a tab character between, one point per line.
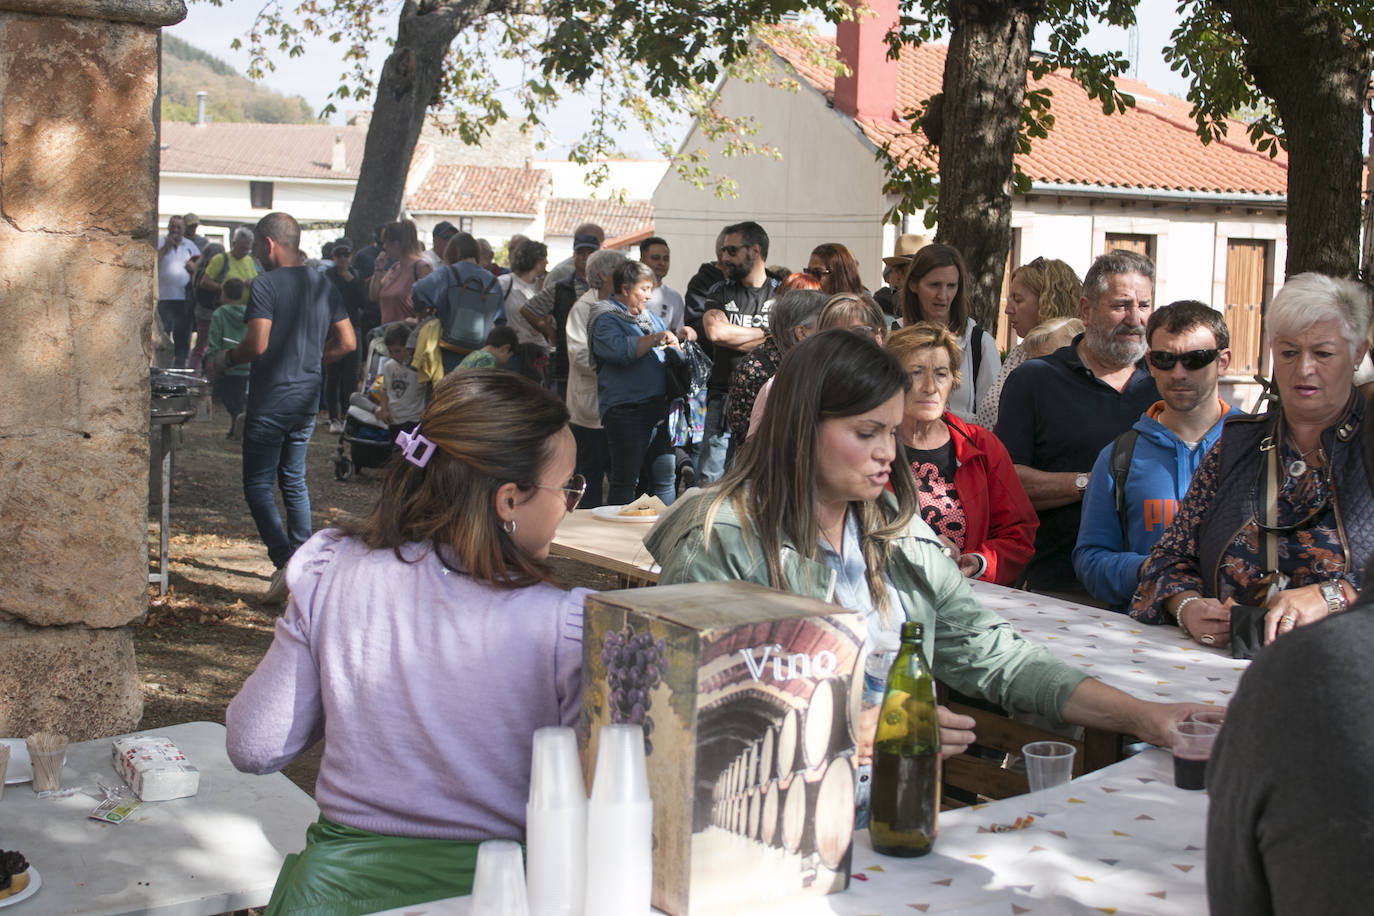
480	189
566	213
264	151
1151	146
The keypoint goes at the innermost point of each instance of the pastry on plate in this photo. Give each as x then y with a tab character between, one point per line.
14	873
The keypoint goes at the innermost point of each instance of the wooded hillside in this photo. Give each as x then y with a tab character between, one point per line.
187	70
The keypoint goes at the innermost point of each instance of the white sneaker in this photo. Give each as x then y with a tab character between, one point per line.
336	426
277	591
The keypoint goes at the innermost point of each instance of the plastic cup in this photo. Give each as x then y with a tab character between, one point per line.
621	772
498	884
620	821
1048	764
1192	748
47	764
4	765
556	826
1212	716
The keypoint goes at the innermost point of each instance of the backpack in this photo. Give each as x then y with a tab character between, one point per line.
475	304
209	298
1118	466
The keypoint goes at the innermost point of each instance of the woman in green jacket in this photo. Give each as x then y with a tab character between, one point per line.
807	509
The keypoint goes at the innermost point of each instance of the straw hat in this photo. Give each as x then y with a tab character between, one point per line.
907	244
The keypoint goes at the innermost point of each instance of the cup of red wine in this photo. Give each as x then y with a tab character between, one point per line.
1192	748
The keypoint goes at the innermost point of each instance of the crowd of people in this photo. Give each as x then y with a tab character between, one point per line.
871	448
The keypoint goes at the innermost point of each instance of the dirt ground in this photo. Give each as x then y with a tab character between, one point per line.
202	639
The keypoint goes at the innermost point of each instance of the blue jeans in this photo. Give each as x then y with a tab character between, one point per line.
592	460
177	319
715	442
274	447
641	451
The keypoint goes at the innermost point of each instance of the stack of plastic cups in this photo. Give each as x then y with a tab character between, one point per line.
556	825
498	884
620	824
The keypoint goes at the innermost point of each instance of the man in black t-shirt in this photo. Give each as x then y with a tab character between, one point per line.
295	323
735	322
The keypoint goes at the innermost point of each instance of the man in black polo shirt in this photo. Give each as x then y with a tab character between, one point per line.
1058	412
735	322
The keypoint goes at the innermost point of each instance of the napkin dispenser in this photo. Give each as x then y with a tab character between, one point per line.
749	697
155	768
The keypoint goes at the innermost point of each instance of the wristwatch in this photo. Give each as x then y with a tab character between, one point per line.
1081	481
1335	597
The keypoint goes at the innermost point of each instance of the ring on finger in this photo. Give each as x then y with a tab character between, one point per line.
1207	639
1286	618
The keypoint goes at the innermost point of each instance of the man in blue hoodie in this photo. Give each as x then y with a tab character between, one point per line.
1151	464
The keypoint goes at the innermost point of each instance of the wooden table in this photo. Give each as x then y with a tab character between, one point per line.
1120	840
617	547
215	852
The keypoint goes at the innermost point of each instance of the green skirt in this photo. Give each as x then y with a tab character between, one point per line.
344	871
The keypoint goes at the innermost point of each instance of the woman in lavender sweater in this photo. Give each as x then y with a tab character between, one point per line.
424	644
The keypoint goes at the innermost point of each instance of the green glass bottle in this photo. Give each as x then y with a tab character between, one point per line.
906	756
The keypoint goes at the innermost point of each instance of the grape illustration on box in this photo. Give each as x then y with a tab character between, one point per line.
635	664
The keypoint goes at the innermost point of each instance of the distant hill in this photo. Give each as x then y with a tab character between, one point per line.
187	70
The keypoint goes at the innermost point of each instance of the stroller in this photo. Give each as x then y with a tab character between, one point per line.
365	441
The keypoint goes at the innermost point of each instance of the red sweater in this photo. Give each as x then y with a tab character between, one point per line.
1000	520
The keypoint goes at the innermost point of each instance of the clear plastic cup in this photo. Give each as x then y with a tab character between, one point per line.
620	820
1048	764
498	884
1215	716
556	825
555	769
4	765
46	758
1192	748
621	773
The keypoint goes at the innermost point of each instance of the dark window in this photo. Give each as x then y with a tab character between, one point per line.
260	193
465	224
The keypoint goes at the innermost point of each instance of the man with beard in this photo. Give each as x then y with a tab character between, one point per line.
1059	411
1138	480
735	322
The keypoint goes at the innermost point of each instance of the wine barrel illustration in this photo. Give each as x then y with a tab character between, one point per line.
826	729
768	754
755	812
741	814
750	757
832	819
755	774
787	744
768	814
818	813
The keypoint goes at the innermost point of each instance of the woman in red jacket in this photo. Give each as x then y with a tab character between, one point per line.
967	490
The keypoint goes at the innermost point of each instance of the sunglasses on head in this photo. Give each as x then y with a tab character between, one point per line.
1192	360
819	273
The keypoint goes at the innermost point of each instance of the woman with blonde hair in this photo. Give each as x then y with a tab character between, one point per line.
966	487
446	582
1038	291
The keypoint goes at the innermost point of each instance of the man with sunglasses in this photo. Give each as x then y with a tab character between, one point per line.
1057	412
1138	480
735	322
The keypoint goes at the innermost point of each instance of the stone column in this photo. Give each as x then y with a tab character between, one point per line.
78	196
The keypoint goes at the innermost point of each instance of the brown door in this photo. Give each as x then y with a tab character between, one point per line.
1140	244
1248	283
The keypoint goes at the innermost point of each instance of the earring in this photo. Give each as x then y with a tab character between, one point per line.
509	526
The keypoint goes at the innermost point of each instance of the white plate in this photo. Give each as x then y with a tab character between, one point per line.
19	769
612	514
35	882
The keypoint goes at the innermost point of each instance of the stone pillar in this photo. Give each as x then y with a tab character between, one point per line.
78	196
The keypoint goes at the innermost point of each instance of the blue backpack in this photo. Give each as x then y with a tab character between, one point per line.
475	304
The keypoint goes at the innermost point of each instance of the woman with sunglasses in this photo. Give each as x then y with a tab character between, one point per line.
1041	291
1279	515
424	644
806	509
834	267
936	290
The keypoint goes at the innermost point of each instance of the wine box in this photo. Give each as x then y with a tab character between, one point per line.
749	697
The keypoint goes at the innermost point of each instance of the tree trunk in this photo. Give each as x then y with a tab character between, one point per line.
1316	74
984	88
408	83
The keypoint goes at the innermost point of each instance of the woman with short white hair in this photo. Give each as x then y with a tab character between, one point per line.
1279	515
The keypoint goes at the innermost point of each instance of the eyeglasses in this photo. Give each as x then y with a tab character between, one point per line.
731	250
572	490
1193	360
820	273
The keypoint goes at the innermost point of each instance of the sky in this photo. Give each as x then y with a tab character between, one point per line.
315	74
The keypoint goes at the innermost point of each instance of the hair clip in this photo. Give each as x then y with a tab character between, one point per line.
416	448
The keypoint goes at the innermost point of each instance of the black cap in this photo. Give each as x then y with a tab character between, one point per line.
343	243
586	240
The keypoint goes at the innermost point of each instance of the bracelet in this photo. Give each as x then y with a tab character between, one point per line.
1178	613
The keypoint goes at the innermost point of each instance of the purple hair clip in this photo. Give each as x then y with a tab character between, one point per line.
416	448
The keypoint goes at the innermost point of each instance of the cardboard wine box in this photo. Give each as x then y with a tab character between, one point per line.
748	697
